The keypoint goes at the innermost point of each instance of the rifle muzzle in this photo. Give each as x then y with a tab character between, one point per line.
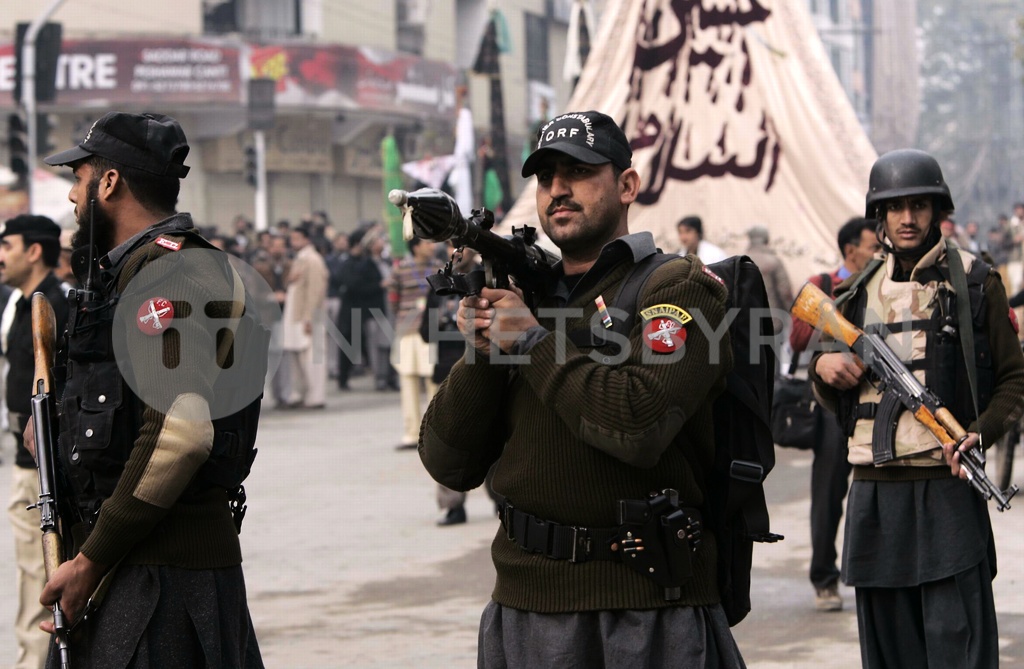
434	214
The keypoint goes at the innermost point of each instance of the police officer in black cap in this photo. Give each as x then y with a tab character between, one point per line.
918	546
577	440
29	251
142	433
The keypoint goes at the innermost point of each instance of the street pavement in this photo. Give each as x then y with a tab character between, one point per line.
345	567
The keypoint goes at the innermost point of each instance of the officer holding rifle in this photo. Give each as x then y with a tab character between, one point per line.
918	545
577	441
155	424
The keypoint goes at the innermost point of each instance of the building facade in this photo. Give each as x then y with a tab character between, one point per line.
346	74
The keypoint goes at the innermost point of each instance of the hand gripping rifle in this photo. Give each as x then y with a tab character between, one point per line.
891	376
43	414
435	216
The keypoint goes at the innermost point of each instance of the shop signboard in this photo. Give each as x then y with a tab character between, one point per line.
135	72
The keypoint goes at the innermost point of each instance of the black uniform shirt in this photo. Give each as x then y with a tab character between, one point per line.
19	352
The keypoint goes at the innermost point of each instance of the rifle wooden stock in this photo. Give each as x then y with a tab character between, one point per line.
815	308
44	338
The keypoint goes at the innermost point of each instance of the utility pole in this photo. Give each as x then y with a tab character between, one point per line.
28	94
261	119
260	144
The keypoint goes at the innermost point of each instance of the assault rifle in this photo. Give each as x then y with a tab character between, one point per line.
44	337
434	215
891	376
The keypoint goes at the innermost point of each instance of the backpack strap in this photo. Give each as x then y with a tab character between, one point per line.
629	294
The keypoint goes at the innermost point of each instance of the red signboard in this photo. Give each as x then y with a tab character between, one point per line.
356	77
160	72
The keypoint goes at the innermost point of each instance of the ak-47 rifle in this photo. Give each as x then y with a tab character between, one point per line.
815	308
434	215
44	338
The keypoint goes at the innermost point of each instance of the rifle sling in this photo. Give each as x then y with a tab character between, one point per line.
865	274
958	277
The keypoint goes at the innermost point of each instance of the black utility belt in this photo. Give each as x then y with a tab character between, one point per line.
656	537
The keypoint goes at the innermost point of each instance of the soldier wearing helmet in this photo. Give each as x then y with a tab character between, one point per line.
918	545
908	180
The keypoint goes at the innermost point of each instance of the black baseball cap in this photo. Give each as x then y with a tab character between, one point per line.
32	228
152	143
590	137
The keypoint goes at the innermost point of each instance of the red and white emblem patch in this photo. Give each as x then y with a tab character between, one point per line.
665	327
713	275
168	243
1013	320
155	315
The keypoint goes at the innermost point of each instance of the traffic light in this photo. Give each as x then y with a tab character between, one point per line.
251	165
45	125
17	145
48	48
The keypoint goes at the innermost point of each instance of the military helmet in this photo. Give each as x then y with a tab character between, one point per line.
906	172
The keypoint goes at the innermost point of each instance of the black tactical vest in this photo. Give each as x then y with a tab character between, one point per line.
100	415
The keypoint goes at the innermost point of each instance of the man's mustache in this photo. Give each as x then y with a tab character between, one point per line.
563	204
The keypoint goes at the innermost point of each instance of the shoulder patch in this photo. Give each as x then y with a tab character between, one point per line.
154	315
713	275
1013	320
665	327
168	243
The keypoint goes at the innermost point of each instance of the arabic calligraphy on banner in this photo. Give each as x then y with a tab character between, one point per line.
713	123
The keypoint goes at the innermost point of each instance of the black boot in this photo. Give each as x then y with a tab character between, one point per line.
455	516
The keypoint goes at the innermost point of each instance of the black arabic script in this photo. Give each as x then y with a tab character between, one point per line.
689	112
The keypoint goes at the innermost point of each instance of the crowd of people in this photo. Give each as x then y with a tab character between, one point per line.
341	305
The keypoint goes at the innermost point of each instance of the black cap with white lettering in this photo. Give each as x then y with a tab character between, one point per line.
152	143
590	137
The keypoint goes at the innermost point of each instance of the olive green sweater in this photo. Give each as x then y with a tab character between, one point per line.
575	435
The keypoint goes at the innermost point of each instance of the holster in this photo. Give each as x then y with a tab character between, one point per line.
657	539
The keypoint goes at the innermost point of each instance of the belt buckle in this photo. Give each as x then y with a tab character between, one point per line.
580	535
507	514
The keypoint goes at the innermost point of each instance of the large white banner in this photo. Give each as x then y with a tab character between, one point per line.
734	114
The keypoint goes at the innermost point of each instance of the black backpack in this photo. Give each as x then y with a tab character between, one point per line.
736	509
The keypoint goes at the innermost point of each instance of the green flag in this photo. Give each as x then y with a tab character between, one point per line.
391	164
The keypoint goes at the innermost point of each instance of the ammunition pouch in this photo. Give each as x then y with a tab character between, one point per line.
656	538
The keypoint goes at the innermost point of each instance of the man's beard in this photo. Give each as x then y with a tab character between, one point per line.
102	225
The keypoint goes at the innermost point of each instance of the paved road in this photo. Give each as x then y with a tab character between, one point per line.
345	567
